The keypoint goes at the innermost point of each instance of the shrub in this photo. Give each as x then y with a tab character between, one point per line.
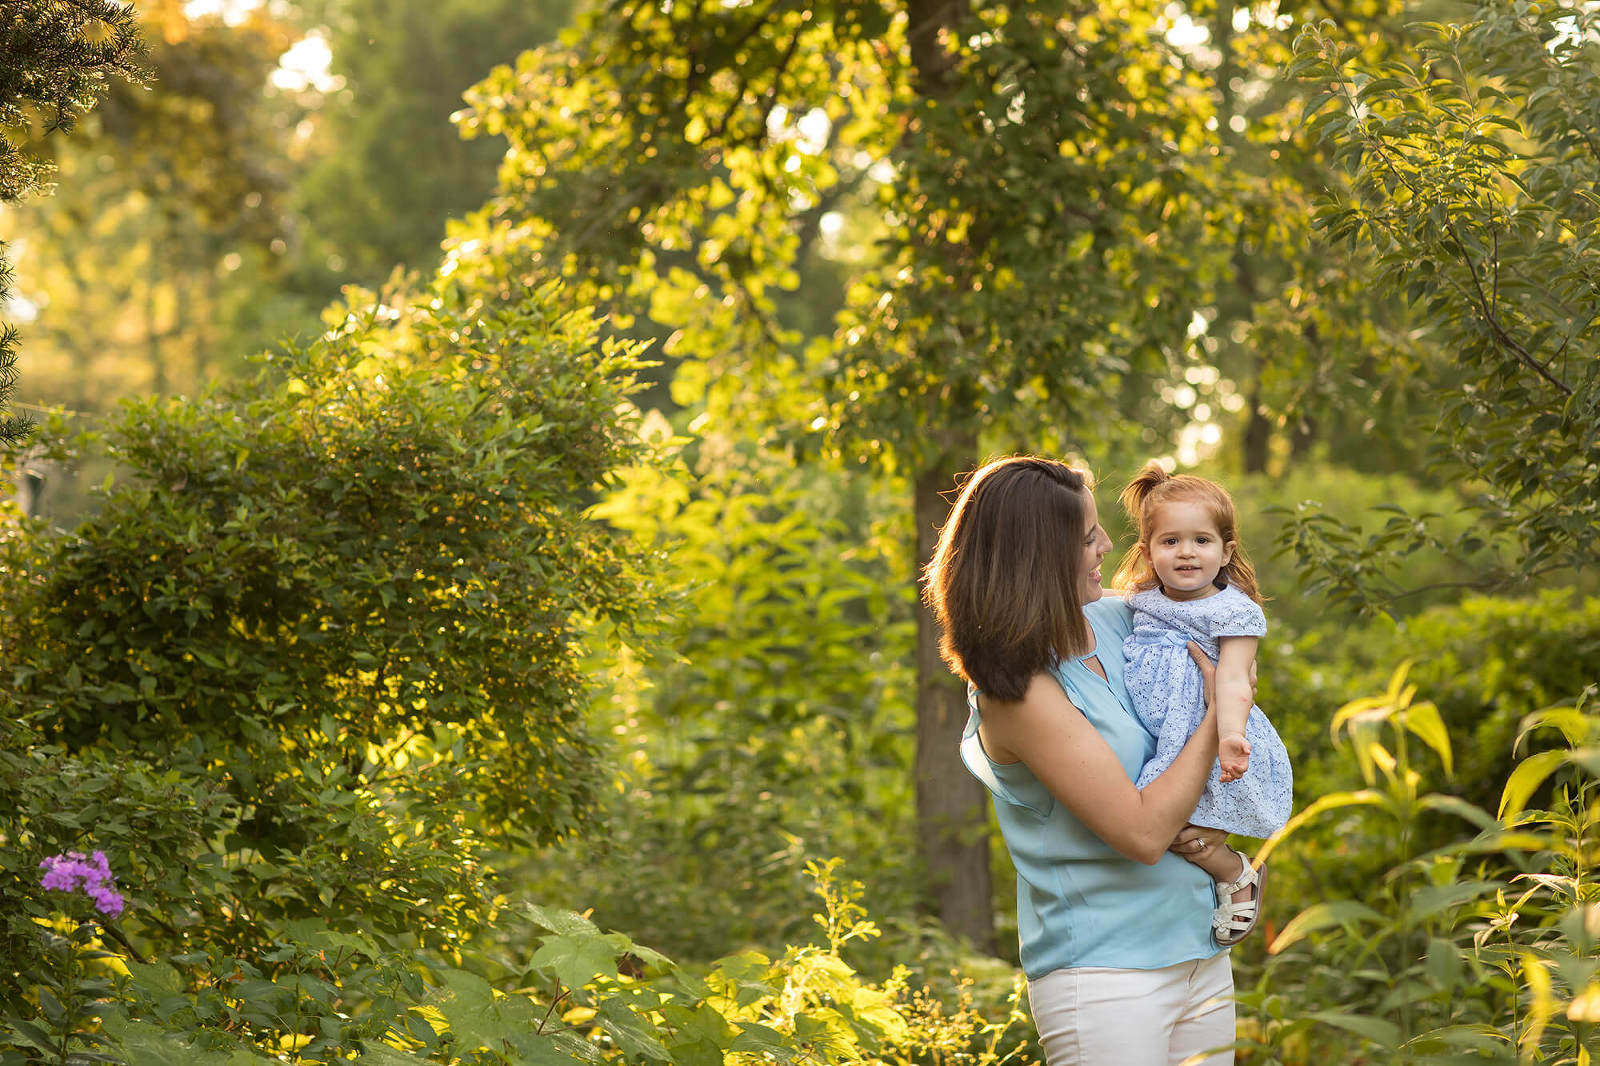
320	647
1479	945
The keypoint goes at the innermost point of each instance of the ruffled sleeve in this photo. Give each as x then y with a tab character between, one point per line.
1237	615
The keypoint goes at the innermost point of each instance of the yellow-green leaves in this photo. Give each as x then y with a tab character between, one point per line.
1361	719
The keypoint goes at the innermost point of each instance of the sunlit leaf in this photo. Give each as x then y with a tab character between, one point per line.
1526	779
1321	916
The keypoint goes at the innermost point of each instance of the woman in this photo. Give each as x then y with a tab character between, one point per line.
1115	928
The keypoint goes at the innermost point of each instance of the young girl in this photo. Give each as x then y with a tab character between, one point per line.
1188	579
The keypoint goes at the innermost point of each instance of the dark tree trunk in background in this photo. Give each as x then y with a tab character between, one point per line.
1257	435
952	812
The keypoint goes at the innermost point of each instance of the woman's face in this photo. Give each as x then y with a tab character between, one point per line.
1095	546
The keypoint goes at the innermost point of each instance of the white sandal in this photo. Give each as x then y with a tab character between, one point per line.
1231	922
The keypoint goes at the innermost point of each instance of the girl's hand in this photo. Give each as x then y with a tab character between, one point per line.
1233	752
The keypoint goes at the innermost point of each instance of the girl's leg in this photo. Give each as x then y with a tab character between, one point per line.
1228	868
1102	1016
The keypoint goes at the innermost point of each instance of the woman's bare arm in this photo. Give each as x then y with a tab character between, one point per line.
1068	755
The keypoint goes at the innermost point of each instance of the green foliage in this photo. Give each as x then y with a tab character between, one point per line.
1487	663
1039	244
1473	169
372	558
59	60
1032	255
70	984
776	725
569	994
156	264
322	643
1483	949
386	166
1271	509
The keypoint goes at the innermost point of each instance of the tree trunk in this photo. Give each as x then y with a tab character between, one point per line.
952	815
952	822
1257	433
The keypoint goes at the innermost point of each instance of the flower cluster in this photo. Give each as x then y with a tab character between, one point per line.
74	870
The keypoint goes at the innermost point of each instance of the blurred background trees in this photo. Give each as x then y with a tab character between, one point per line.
59	60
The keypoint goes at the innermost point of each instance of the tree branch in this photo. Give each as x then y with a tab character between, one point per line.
1492	320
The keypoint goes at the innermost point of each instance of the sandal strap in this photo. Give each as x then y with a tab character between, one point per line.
1231	922
1234	916
1245	879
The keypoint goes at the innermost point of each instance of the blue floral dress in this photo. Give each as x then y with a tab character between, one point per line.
1169	698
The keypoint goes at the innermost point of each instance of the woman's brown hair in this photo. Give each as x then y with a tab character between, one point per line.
1005	581
1151	488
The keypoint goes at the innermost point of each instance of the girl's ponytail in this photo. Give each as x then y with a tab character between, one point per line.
1133	572
1139	489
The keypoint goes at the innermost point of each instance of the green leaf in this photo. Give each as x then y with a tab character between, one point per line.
149	1045
1321	805
1459	807
1526	779
1423	720
764	1040
1378	1030
556	1049
383	1055
467	1003
1322	916
1429	900
576	960
634	1035
563	923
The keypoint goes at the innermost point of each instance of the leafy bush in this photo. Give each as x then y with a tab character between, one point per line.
320	649
1487	663
1472	165
580	996
374	556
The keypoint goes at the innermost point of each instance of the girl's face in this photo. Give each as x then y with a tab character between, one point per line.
1185	549
1095	546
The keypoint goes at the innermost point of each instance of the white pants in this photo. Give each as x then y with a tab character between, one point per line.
1101	1016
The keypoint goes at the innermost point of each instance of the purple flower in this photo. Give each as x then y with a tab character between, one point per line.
73	870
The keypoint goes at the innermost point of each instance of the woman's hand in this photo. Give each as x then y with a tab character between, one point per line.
1207	848
1208	673
1193	841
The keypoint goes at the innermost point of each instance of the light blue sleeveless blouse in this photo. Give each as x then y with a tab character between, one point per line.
1079	903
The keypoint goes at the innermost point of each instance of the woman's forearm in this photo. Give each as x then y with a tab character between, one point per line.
1170	799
